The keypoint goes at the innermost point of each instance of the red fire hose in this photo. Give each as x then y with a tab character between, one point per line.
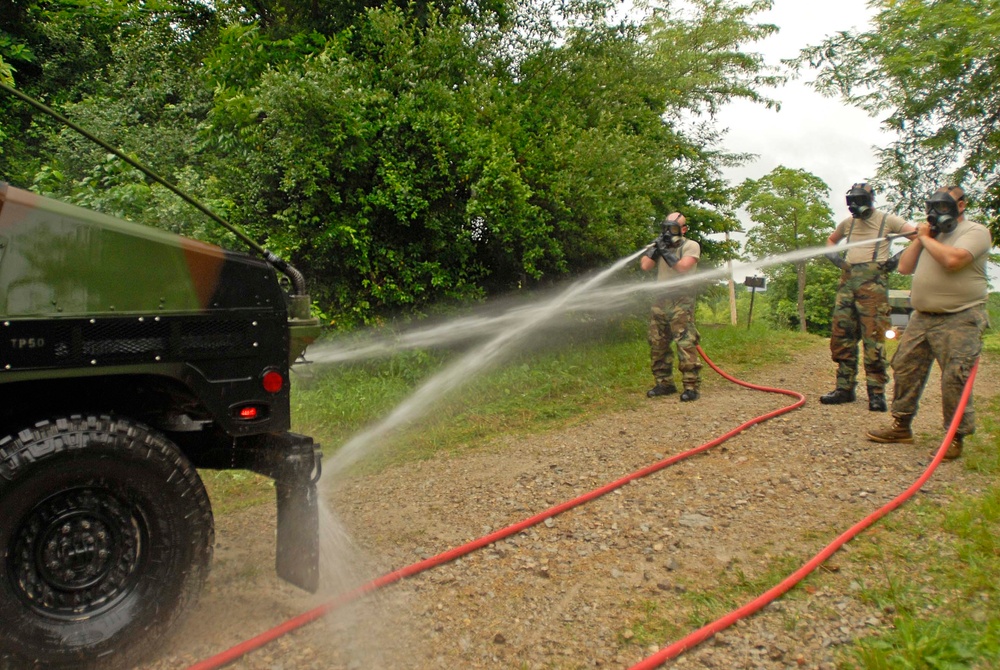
671	651
705	632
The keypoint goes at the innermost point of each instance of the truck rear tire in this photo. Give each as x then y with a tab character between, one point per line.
108	538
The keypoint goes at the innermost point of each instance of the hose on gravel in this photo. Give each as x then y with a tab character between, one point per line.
707	631
232	654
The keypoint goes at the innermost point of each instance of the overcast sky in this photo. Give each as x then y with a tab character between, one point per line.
820	135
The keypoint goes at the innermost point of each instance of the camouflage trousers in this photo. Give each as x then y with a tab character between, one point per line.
861	314
954	341
672	320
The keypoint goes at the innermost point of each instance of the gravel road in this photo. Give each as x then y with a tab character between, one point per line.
608	583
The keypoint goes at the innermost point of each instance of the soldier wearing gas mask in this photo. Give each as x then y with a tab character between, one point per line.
948	262
672	315
861	308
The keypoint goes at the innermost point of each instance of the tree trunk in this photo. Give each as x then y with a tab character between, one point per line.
800	270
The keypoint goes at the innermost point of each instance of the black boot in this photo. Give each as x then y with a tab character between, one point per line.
689	395
876	402
837	397
661	389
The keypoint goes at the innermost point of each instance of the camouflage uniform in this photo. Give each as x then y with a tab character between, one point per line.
955	341
672	320
861	314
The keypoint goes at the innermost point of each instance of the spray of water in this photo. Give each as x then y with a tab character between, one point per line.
465	367
583	296
470	328
342	561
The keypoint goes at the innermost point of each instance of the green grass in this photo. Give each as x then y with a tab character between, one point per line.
232	490
541	389
938	571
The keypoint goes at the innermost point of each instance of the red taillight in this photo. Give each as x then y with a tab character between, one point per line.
249	412
272	381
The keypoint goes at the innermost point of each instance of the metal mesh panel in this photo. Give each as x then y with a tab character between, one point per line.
213	335
125	338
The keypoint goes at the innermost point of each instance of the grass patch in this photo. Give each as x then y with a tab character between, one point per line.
652	625
233	490
578	372
939	573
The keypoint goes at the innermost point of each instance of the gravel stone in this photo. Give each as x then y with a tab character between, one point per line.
579	589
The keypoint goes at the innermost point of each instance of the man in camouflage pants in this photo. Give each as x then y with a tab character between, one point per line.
861	308
672	317
948	262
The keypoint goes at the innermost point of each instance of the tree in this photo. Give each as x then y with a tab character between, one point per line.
58	50
790	210
933	69
400	154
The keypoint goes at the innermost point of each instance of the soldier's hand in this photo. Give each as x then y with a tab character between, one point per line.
893	262
837	259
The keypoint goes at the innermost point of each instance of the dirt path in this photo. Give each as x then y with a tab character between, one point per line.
568	593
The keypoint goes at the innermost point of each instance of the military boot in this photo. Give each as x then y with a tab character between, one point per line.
954	449
837	396
661	389
899	432
876	401
689	395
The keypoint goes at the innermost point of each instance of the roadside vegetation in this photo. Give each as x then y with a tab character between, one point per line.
940	564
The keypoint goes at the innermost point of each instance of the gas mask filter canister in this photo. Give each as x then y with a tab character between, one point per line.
942	212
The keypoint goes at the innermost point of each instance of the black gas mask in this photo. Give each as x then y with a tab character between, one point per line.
942	212
671	233
860	201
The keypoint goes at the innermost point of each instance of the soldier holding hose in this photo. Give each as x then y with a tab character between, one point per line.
672	317
948	262
861	308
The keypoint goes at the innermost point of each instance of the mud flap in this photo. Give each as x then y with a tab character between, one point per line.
294	462
297	556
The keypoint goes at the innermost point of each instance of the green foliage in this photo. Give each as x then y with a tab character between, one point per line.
400	155
822	279
59	51
931	69
789	207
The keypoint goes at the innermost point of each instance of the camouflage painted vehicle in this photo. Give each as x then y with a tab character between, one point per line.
130	357
899	308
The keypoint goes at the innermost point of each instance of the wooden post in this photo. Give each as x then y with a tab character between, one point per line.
732	289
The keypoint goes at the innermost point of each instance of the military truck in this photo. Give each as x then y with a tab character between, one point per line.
130	358
899	309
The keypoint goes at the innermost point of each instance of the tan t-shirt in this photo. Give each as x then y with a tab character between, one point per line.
687	248
940	292
859	230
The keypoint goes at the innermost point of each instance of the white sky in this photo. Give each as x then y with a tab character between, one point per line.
820	135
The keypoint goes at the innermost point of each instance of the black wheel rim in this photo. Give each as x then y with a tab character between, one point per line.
77	553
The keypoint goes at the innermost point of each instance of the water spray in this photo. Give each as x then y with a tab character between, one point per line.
458	372
581	296
581	300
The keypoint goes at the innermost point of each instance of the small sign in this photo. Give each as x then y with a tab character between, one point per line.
754	282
